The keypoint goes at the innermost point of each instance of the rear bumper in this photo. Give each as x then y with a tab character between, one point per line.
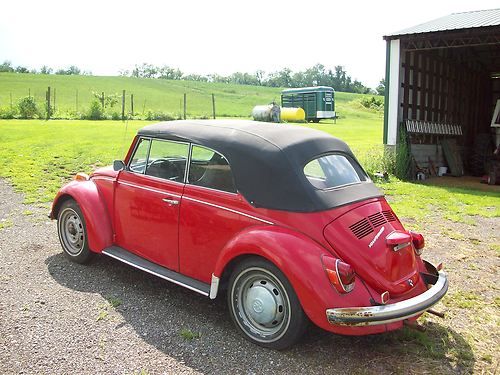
383	314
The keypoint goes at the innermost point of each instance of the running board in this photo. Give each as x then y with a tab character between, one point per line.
145	265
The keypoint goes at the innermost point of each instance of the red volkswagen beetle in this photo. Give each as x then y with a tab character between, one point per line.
283	218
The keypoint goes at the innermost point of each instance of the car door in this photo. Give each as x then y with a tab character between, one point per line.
147	201
212	213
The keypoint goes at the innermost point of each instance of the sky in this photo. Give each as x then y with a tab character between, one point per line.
216	36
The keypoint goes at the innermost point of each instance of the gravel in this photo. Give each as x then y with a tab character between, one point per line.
58	317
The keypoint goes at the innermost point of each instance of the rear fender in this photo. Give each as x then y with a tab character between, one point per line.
97	218
299	258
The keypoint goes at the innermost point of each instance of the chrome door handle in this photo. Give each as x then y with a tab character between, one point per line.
173	202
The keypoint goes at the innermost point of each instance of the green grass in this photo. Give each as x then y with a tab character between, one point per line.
153	94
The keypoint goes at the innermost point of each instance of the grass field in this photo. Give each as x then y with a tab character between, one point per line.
149	94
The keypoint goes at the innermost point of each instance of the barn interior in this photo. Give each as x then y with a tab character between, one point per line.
449	86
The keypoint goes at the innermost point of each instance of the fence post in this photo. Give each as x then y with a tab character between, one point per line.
11	101
184	106
48	102
132	104
102	99
143	106
213	106
123	105
29	93
76	100
54	99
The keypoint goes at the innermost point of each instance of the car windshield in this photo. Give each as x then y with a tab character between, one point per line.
330	171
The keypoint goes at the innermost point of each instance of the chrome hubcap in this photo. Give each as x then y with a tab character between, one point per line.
71	232
261	304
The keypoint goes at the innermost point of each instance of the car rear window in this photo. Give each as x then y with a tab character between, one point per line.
330	171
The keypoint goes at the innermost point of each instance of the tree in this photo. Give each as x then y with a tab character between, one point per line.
381	87
6	66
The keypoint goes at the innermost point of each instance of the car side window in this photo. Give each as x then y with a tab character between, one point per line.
167	160
138	162
210	169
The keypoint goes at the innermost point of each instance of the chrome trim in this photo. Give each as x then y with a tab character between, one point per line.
103	178
171	201
149	189
214	287
156	274
228	209
383	314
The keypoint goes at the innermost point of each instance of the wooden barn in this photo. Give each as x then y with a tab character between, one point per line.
442	89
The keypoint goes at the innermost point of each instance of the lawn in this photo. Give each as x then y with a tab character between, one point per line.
149	94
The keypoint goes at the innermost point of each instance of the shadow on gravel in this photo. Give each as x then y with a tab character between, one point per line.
158	311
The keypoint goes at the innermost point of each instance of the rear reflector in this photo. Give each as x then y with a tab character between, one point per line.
340	274
80	176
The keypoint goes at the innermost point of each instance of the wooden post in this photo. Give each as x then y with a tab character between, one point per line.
10	101
76	100
213	106
123	105
54	99
143	106
29	93
102	99
48	102
132	104
184	106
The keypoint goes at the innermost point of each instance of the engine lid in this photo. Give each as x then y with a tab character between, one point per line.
373	241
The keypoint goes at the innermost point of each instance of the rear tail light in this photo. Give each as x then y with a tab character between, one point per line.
340	274
418	242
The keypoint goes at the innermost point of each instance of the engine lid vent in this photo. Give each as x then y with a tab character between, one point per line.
361	228
366	226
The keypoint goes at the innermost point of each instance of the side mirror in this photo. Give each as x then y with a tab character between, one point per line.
118	165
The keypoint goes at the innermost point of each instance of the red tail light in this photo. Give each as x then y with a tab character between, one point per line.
418	242
340	274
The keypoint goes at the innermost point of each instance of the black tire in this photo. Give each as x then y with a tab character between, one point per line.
72	232
264	306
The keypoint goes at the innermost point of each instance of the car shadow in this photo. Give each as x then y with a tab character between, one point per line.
219	343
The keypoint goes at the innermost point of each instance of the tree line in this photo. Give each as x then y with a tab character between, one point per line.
7	66
317	75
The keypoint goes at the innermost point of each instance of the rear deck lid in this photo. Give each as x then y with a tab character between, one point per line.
373	241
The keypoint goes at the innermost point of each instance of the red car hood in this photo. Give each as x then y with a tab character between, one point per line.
359	238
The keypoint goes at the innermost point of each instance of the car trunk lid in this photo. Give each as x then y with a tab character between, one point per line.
372	239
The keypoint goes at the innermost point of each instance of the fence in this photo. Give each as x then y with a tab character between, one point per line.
78	103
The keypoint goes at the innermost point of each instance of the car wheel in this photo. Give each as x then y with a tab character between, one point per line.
264	306
73	232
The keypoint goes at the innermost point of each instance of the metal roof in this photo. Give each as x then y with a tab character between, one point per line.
454	21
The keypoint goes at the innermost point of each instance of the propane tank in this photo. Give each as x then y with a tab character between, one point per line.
268	113
290	114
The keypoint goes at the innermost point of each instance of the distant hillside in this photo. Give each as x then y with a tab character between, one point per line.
149	94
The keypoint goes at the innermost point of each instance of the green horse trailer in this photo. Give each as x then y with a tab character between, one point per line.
317	102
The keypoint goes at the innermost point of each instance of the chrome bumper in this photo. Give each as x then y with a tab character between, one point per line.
383	314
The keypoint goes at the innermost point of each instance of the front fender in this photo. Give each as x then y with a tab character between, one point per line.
299	258
97	218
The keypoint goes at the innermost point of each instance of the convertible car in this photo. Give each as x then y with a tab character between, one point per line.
282	219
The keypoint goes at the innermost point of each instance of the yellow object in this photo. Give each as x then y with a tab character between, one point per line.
292	114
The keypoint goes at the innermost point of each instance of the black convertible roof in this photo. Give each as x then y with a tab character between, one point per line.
267	160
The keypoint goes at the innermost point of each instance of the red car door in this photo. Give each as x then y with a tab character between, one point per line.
147	201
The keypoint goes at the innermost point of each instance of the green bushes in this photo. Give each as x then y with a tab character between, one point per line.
95	112
28	109
376	104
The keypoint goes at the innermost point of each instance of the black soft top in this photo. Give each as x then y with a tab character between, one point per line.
267	160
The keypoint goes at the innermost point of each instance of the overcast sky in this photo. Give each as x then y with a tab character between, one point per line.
215	36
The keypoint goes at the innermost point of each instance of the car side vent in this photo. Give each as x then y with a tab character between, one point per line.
377	219
361	228
389	216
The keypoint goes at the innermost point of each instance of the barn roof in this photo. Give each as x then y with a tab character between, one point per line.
454	21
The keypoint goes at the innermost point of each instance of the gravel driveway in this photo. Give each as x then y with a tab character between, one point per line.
59	317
